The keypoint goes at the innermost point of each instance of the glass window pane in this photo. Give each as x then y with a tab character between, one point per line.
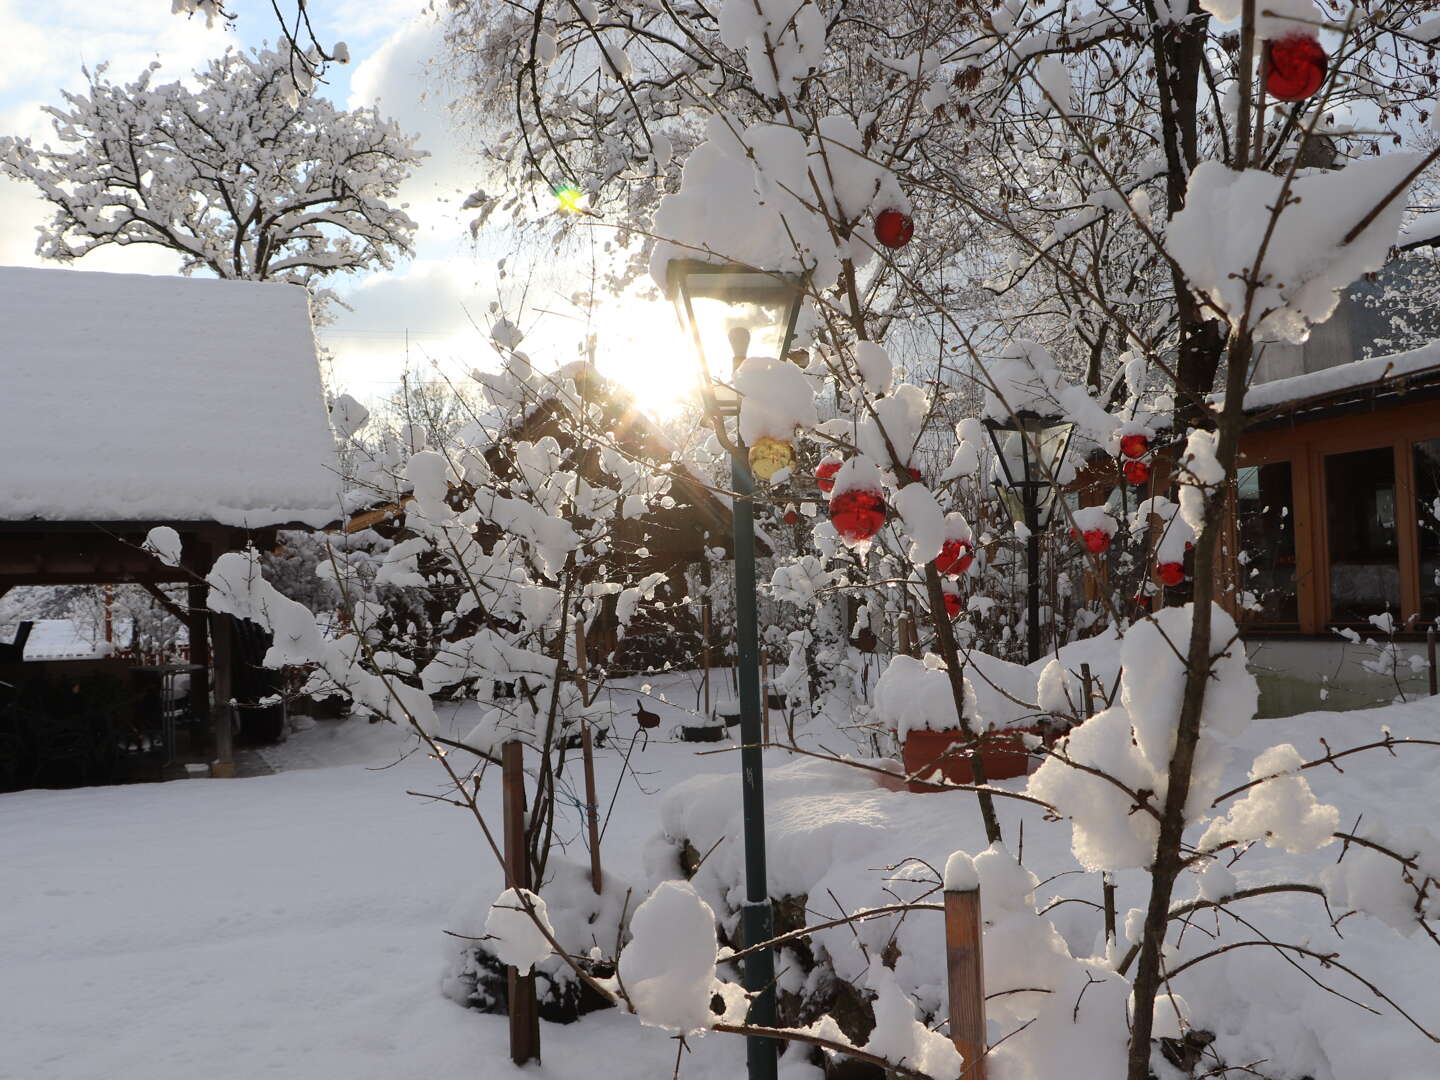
1427	513
1265	512
1360	513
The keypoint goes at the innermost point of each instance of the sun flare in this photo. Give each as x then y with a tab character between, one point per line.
640	346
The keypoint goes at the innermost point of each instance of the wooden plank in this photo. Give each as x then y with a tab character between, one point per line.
965	971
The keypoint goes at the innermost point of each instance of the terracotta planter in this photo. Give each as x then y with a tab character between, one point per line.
1003	753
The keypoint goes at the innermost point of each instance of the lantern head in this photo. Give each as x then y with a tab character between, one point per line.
1031	449
731	312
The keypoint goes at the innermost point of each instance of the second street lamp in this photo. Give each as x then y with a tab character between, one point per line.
736	311
1031	448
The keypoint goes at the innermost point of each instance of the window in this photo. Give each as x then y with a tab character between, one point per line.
1267	541
1427	519
1360	518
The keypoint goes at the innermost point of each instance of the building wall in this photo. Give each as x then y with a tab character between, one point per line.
1297	676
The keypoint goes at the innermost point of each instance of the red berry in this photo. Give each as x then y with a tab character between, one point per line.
893	229
1170	573
953	606
1137	472
857	514
1096	541
790	517
825	475
914	473
1295	67
1134	446
955	557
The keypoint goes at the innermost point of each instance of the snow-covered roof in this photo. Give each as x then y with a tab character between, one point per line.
137	398
1357	373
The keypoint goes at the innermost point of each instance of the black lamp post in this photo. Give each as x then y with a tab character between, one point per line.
1031	448
736	311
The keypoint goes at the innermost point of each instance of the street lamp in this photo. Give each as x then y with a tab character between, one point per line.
1031	448
738	311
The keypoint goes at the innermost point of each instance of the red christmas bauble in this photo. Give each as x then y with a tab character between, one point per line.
1170	573
1097	541
1134	446
825	475
857	514
790	517
1295	67
1137	472
953	607
955	557
914	473
893	229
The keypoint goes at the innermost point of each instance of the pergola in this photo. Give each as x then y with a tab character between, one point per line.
134	402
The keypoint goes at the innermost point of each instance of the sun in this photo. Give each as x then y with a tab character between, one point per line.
638	344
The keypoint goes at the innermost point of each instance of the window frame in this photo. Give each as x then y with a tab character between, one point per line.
1306	446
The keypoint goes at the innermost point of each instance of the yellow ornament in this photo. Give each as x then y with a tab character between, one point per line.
768	456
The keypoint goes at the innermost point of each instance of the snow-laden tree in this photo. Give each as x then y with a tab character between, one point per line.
234	170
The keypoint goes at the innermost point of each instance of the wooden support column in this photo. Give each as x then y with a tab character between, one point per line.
222	647
197	627
965	968
524	1011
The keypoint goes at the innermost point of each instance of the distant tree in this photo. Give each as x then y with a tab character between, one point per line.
239	173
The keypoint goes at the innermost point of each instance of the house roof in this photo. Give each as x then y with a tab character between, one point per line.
1377	373
137	398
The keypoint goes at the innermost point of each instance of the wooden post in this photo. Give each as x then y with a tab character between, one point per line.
906	635
592	808
222	653
1430	655
197	628
705	650
524	1012
965	967
765	697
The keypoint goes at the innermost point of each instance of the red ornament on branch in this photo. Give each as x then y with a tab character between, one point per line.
955	557
791	516
914	473
1097	541
1295	67
1137	472
857	514
1134	446
1170	573
893	229
953	607
825	475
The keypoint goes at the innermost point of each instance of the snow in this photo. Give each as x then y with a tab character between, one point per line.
915	695
960	875
133	398
776	398
1375	370
514	935
1305	266
293	924
668	968
164	543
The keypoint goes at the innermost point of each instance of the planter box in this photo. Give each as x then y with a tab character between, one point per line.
1002	752
708	733
727	713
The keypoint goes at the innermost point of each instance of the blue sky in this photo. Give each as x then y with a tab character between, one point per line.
427	303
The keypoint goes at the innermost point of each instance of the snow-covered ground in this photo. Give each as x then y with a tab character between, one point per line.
292	925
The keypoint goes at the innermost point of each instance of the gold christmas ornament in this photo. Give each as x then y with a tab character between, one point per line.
768	456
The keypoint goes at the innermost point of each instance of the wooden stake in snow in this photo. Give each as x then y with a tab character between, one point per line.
965	963
587	751
524	1011
1430	655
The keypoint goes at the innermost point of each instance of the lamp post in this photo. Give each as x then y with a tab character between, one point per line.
734	310
1031	448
